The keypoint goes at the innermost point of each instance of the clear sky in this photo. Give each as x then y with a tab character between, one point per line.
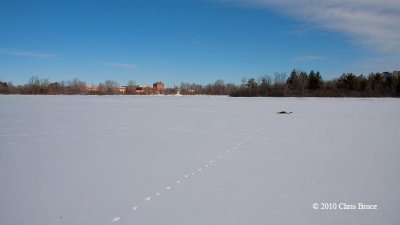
194	40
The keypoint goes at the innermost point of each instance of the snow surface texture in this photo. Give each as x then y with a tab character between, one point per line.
94	160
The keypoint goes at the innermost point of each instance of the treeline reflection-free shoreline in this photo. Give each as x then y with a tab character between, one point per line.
297	84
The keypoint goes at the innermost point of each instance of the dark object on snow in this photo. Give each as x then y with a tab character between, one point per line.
284	112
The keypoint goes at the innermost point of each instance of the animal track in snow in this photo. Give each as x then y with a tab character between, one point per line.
116	219
213	161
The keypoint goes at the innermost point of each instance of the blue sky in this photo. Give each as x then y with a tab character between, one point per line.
195	41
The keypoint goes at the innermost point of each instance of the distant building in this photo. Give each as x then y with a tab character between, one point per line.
144	90
122	89
92	89
158	87
149	90
396	73
139	90
386	74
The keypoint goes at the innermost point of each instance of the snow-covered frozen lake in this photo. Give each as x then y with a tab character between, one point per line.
96	160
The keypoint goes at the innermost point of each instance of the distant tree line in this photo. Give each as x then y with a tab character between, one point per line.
37	86
303	84
45	87
298	84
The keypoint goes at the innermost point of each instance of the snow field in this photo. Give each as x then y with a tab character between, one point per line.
196	160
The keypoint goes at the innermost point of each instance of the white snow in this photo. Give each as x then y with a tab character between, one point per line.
197	160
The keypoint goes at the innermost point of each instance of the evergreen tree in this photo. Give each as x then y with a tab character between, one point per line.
314	80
